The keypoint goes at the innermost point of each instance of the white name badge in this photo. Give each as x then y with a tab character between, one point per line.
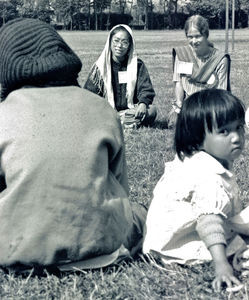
184	67
211	79
122	77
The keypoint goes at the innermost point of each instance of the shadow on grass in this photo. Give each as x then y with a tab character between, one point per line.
39	271
44	271
161	124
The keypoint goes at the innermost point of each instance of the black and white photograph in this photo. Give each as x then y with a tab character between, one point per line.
124	149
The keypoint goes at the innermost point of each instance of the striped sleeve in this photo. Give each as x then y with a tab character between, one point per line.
176	76
222	73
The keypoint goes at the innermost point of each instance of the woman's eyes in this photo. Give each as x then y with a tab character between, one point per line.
124	43
194	36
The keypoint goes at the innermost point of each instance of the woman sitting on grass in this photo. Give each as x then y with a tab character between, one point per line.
65	202
199	65
122	78
195	212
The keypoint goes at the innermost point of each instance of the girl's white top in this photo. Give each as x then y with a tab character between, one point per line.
198	185
247	117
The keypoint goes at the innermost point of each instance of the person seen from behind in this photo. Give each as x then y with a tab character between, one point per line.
65	202
195	214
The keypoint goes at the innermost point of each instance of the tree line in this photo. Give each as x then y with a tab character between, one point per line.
139	14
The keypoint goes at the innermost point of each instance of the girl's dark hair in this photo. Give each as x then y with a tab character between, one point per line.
203	111
198	22
120	28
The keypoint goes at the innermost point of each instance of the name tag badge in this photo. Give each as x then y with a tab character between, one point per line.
122	77
211	79
184	67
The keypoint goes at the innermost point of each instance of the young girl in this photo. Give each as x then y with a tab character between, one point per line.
122	78
190	217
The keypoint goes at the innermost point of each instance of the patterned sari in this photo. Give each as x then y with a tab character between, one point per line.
210	72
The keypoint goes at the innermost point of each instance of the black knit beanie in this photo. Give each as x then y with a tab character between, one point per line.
33	53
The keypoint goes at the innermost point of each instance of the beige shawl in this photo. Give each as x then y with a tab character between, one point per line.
102	70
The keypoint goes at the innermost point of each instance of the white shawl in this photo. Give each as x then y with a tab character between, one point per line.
103	65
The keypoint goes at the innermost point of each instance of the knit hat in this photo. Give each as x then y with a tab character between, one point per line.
33	53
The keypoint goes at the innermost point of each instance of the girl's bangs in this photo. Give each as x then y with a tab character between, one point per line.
225	113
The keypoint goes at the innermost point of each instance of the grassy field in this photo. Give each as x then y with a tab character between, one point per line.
147	149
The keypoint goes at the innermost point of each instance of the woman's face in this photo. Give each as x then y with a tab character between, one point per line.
197	41
120	45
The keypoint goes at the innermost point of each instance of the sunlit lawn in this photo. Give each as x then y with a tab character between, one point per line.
146	149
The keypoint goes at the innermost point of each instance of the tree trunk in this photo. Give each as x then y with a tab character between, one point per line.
95	16
89	16
146	15
175	12
151	15
101	18
131	7
71	22
108	18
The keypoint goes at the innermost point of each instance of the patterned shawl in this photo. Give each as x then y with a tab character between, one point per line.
200	75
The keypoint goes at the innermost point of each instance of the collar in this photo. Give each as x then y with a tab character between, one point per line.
208	163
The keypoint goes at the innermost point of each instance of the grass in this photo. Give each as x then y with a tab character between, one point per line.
146	149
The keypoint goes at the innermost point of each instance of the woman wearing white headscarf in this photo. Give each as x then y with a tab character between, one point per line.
122	78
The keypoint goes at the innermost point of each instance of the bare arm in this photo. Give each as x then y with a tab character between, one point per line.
210	228
179	94
145	91
179	91
223	270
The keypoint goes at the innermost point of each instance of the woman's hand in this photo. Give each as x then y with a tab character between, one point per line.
141	111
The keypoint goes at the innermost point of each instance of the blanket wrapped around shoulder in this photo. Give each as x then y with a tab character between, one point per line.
202	75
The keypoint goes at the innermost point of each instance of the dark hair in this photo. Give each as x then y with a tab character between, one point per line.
199	22
120	28
33	53
203	111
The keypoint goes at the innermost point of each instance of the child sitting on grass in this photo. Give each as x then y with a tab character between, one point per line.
195	211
